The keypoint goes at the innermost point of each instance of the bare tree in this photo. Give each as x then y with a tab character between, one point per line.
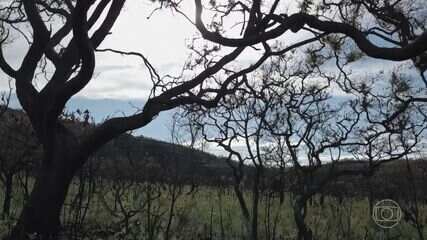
73	62
289	109
18	151
5	100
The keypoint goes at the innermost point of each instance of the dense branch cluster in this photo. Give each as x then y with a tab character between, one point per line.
282	96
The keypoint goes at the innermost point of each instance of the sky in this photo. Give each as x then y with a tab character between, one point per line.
162	39
121	83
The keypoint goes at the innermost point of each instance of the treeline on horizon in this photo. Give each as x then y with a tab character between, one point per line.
143	159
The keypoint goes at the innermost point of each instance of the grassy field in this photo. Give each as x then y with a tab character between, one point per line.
143	211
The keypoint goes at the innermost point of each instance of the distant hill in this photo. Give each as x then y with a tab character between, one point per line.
394	180
130	156
145	159
152	160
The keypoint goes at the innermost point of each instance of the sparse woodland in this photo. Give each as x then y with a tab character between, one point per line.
309	145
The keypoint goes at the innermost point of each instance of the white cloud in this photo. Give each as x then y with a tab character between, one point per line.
161	39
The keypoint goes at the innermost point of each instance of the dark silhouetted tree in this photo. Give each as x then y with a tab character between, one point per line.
68	51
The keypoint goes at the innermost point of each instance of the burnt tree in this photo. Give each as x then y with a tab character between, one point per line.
73	61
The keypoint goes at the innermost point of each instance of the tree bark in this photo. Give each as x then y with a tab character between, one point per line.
304	232
41	214
7	195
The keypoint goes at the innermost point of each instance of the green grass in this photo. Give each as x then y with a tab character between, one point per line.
210	212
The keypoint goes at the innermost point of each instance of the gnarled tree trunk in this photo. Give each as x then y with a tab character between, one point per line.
41	214
7	195
304	232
